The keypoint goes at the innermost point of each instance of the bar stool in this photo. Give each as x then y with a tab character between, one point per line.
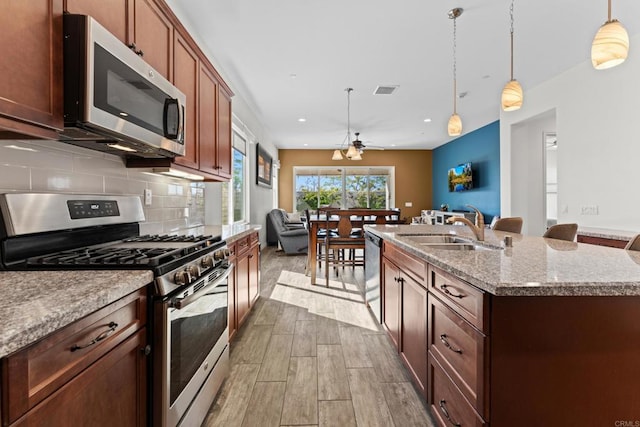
562	232
509	224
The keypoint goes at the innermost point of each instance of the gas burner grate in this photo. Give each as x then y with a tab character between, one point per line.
109	256
171	238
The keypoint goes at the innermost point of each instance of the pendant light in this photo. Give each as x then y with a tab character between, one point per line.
512	92
610	46
455	123
353	153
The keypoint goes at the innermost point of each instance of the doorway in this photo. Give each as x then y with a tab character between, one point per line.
550	143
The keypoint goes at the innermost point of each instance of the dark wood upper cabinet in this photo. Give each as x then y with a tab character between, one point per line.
31	68
153	36
207	111
224	143
185	77
114	15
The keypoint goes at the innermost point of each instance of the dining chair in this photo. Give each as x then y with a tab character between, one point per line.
509	224
562	232
634	244
348	236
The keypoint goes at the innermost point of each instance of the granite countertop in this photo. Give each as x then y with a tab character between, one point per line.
533	266
36	303
606	233
229	233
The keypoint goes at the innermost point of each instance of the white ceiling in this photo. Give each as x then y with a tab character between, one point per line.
330	45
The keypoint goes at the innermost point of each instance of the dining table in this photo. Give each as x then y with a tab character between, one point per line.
359	218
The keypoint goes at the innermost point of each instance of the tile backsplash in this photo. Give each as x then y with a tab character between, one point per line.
56	167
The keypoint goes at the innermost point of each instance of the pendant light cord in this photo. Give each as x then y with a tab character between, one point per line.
511	13
454	66
609	14
348	115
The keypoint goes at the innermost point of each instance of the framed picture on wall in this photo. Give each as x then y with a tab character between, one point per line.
264	165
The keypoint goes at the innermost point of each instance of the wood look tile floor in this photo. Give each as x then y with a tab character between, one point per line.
314	356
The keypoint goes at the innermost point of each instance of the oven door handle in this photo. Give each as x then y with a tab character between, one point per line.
183	302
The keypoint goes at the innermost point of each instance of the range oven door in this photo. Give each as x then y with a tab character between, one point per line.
193	329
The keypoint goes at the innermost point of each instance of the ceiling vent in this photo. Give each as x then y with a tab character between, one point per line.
385	90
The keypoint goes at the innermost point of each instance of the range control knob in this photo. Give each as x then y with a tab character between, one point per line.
207	262
194	271
227	252
182	278
218	255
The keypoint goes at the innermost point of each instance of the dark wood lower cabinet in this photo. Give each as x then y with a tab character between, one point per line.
245	280
111	392
414	330
391	300
69	378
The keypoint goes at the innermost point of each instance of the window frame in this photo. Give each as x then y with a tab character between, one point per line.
343	175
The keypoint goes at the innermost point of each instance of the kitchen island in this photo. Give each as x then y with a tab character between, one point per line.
545	332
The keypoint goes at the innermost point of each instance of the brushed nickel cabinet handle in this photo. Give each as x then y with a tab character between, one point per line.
112	327
443	408
445	341
445	289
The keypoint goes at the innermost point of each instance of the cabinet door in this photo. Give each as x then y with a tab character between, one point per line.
224	143
254	273
31	67
207	105
414	330
391	290
185	78
111	14
153	35
242	281
232	301
111	392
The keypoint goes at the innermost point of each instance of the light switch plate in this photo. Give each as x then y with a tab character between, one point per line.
147	197
408	204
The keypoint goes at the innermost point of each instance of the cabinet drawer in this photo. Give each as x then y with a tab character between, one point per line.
465	299
31	374
253	239
447	404
460	348
242	245
406	261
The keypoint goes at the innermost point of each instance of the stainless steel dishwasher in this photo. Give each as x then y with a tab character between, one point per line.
372	274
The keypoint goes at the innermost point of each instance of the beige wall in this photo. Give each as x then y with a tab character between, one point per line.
413	174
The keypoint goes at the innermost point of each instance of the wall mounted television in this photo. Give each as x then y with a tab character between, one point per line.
461	177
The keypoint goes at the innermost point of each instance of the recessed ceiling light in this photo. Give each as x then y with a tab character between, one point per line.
427	120
393	145
302	119
305	145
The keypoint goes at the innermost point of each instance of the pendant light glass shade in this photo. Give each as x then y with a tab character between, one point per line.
512	96
455	125
357	156
337	155
610	46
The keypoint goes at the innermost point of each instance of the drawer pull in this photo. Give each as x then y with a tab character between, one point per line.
445	289
444	340
112	327
443	408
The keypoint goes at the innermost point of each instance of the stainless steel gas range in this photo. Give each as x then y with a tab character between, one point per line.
189	330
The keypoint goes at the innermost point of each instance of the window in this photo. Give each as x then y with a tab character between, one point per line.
343	187
235	204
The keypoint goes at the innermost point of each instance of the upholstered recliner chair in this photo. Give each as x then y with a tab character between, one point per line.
293	236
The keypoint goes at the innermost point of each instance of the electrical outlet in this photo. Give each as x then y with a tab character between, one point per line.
147	197
589	210
408	204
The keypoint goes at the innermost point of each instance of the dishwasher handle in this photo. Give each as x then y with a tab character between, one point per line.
373	239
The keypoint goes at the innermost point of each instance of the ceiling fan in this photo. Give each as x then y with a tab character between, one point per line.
356	147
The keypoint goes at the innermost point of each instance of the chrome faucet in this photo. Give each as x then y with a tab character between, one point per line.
477	228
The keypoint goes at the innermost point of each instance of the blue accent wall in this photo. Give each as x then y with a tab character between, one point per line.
482	148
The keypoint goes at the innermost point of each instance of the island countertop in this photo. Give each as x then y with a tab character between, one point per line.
533	266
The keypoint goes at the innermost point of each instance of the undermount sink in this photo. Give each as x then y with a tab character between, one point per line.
447	242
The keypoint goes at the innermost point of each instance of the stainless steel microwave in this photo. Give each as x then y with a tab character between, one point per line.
113	100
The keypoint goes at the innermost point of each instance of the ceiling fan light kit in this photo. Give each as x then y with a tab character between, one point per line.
353	152
610	46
